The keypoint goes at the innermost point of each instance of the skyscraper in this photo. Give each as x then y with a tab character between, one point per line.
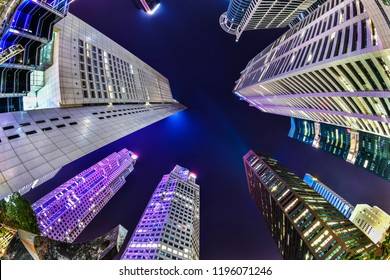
25	36
368	151
373	221
63	213
149	6
243	15
303	224
169	227
230	20
96	92
91	69
333	198
331	67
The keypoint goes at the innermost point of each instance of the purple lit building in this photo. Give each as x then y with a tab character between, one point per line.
63	213
169	226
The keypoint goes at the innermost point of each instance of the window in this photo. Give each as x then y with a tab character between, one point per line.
8	127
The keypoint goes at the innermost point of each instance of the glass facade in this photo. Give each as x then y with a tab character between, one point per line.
303	224
368	151
28	24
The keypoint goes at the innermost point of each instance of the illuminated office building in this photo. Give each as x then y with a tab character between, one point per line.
95	93
303	224
331	67
149	6
26	29
169	226
368	151
373	221
63	213
333	198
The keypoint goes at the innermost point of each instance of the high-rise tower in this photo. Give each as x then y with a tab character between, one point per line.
63	213
303	224
373	221
243	15
95	92
169	227
230	20
331	67
26	29
368	151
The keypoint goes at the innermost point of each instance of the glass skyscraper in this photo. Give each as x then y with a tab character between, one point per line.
368	151
63	213
230	20
303	224
169	226
331	67
333	198
26	26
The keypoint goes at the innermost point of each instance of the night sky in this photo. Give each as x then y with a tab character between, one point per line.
184	42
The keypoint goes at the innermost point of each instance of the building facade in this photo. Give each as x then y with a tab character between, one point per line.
365	150
230	19
25	36
243	15
63	213
303	224
90	69
169	226
333	198
373	221
265	14
34	145
95	92
331	67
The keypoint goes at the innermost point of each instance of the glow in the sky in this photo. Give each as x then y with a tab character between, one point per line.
151	12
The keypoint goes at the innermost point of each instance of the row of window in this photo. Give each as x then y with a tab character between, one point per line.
31	132
8	127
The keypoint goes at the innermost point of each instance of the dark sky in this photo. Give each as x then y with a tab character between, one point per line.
184	42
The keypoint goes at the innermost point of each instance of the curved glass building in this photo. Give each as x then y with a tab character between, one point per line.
230	20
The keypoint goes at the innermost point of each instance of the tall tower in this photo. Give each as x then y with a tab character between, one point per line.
303	224
333	198
368	151
26	29
331	67
63	213
243	15
95	93
230	20
373	221
169	226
